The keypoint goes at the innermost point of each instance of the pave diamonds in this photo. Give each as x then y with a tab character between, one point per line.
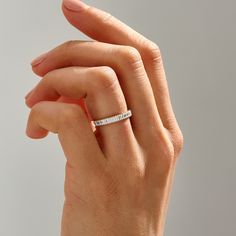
113	119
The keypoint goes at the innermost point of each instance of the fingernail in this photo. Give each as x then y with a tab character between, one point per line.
75	5
39	59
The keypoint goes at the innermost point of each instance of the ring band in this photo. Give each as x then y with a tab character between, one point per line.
113	119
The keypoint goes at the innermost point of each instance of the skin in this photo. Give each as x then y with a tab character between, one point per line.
117	177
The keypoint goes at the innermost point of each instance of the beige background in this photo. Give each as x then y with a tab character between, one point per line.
197	39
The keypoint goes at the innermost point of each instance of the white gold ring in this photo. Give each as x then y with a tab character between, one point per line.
113	119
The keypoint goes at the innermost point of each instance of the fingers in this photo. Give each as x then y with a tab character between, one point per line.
103	27
128	66
74	131
93	21
99	87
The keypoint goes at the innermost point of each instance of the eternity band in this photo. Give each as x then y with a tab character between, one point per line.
113	119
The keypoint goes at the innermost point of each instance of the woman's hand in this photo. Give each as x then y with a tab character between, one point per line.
118	177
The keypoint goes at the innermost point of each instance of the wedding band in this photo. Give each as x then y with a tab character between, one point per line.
113	119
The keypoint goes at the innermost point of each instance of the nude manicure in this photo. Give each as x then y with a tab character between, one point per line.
75	5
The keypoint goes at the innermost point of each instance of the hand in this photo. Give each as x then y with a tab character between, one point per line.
118	177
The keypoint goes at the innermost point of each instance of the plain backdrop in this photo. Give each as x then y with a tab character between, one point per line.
197	39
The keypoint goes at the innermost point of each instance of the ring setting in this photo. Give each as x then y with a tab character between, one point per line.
113	119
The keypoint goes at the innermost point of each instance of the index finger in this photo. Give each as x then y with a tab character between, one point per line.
102	26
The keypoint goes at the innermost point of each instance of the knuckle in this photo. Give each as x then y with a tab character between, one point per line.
170	143
105	77
152	52
178	141
130	55
164	149
70	114
166	161
36	109
69	46
70	43
167	151
107	18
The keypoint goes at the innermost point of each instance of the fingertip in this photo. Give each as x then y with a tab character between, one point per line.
28	102
37	70
38	64
36	133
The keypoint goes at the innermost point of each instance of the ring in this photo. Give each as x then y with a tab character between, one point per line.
113	119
